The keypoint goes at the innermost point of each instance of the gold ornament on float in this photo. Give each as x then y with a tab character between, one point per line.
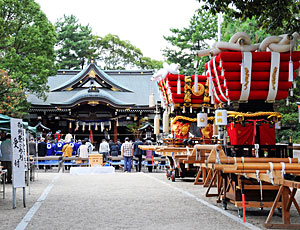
200	90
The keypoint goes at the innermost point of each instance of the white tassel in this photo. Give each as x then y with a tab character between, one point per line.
83	126
291	71
196	83
109	125
117	123
287	101
166	122
291	92
208	110
295	84
156	124
183	109
77	126
210	85
102	126
191	109
151	100
89	126
96	126
178	85
202	109
70	125
243	73
228	102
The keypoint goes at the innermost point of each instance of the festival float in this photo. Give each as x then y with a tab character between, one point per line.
233	104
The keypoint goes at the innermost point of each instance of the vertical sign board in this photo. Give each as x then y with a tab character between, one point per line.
19	153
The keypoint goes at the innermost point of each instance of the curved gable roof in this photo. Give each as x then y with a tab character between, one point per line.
104	77
102	95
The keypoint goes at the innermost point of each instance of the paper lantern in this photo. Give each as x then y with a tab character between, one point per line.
151	100
166	121
201	120
156	124
221	117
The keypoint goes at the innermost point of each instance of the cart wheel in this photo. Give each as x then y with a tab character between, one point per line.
224	204
240	212
173	176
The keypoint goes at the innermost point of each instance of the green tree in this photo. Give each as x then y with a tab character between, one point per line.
273	15
187	41
231	25
13	98
74	44
27	41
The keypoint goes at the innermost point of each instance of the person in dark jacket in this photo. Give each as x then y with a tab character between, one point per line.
42	148
138	153
114	149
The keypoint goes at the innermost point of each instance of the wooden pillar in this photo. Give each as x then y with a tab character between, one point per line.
285	201
115	131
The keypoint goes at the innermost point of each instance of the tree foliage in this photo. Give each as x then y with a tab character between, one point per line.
273	15
74	43
187	41
114	53
231	25
13	98
27	41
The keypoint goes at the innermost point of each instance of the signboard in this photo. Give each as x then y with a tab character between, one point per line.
19	152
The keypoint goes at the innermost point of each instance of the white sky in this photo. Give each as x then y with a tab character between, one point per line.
142	22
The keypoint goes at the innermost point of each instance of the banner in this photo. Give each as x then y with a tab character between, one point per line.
19	152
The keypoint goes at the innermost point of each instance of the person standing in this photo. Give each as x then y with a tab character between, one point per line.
89	145
58	148
32	147
83	151
6	158
50	148
127	153
138	153
114	149
42	148
67	152
104	149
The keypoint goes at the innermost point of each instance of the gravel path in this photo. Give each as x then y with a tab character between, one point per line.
124	201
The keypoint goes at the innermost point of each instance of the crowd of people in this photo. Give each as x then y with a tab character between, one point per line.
68	147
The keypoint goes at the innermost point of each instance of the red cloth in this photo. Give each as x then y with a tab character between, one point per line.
181	101
174	77
231	132
255	76
256	66
256	95
256	56
258	85
267	134
240	135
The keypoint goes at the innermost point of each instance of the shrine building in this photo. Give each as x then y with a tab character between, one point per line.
92	101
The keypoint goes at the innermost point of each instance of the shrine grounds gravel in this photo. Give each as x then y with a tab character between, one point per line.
124	201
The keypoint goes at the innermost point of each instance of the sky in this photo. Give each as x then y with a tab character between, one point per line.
142	22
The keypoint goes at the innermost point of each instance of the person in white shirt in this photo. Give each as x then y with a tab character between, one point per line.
104	149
